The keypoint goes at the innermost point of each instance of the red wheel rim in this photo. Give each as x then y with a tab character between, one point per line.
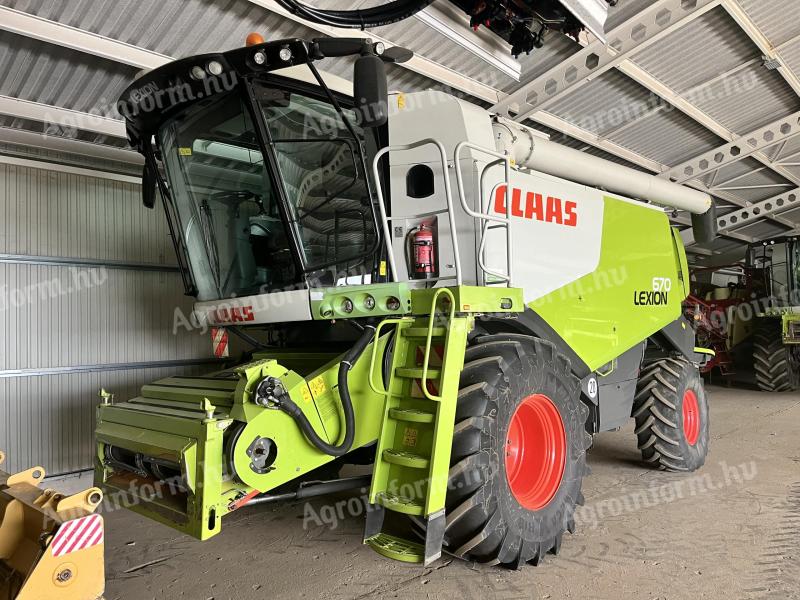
691	417
536	452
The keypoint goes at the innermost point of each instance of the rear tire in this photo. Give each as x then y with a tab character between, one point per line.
496	469
775	367
671	413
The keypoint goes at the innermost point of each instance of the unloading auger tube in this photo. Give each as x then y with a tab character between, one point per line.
529	149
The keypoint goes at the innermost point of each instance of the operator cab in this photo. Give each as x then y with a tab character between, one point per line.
775	265
263	167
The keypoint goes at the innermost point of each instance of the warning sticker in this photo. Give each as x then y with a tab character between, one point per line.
184	151
410	437
318	386
219	341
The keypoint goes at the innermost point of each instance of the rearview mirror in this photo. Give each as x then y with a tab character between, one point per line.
148	186
371	91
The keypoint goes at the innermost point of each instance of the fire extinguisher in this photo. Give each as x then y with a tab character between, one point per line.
423	252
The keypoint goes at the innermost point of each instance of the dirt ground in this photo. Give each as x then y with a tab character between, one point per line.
731	530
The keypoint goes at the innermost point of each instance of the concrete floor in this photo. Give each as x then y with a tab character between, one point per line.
730	531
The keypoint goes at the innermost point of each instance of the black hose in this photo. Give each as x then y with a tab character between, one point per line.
377	16
288	406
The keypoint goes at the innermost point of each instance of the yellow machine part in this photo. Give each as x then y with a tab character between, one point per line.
51	545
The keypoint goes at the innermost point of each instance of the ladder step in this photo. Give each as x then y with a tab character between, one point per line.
406	459
411	415
397	548
416	373
401	504
422	332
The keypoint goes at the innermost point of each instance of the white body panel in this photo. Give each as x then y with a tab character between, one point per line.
556	228
277	307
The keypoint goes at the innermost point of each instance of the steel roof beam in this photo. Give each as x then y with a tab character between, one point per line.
450	22
51	32
766	48
741	147
62	117
746	216
57	143
419	64
637	33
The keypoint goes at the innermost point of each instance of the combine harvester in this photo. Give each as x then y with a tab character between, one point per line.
447	295
753	323
51	545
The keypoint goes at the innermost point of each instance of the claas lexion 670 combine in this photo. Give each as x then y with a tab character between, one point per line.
448	296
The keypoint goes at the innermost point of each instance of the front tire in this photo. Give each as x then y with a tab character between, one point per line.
519	452
671	413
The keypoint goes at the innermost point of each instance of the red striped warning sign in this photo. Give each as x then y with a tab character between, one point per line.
78	534
219	339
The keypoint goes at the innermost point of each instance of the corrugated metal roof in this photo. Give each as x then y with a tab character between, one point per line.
777	19
666	136
58	76
791	56
712	44
762	177
705	60
754	97
605	103
763	230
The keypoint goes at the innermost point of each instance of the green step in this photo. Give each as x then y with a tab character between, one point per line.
416	373
405	459
412	415
401	504
422	332
397	548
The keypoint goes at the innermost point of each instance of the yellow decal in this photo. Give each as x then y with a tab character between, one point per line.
185	151
318	386
382	269
401	101
410	437
306	394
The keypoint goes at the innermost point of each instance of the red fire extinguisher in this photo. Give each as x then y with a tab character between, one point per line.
423	252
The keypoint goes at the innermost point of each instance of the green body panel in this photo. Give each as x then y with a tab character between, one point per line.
412	461
600	316
790	322
329	303
190	422
170	421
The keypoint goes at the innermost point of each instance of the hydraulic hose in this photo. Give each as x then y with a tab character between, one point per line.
377	16
288	406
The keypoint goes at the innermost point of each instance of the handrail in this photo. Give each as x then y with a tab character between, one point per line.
396	321
448	193
429	339
486	216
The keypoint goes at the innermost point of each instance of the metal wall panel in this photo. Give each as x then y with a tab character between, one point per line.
65	316
49	421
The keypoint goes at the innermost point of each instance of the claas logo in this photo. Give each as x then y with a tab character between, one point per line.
233	315
530	205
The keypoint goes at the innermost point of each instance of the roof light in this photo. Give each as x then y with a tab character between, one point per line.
379	48
260	58
285	54
198	72
214	68
254	39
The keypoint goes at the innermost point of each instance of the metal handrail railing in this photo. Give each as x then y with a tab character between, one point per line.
429	340
449	198
505	221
